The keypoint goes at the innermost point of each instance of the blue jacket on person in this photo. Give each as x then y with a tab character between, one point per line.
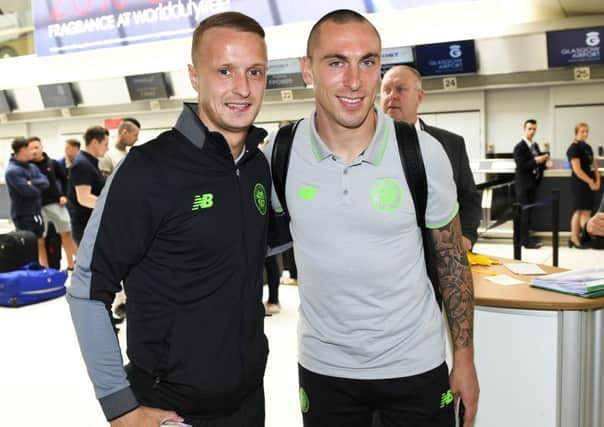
25	185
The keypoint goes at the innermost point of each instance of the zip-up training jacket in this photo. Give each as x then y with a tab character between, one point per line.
57	180
184	227
25	197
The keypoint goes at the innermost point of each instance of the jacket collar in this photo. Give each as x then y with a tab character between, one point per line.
195	131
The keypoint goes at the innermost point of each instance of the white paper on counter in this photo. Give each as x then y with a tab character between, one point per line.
524	268
502	279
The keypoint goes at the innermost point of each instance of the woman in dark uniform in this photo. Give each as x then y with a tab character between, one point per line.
584	182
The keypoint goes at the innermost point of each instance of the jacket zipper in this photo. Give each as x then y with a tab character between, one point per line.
245	263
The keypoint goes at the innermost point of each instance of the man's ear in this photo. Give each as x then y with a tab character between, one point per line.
306	64
193	77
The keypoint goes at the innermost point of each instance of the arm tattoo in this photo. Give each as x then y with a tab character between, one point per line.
455	282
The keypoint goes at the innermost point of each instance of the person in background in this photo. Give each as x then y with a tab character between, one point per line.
86	180
72	148
127	135
371	333
585	181
183	223
402	94
54	201
271	266
530	164
25	186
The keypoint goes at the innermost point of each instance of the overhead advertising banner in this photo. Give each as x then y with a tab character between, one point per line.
64	26
439	59
575	47
284	73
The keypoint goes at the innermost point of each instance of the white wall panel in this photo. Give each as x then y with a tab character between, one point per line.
506	111
500	55
565	119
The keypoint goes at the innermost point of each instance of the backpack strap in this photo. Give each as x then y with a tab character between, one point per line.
415	173
282	148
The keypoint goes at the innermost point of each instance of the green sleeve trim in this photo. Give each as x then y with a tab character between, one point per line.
278	210
446	221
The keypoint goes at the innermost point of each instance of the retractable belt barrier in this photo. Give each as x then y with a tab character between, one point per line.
517	209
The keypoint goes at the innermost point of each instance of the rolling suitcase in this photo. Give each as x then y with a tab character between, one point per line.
17	248
30	284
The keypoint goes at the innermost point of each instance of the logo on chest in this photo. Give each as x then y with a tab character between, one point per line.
386	195
203	201
260	198
307	192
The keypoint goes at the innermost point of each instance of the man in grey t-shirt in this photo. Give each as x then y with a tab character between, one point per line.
371	336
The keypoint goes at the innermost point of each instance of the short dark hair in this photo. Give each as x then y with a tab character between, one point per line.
128	123
18	144
33	138
95	132
132	120
339	16
234	20
73	143
531	121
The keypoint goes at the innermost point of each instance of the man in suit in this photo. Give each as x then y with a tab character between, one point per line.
530	164
401	97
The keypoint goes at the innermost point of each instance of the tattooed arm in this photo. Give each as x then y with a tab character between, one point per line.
458	297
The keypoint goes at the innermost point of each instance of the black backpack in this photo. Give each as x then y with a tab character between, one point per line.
413	167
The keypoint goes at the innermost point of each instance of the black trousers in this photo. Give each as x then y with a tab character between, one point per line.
273	275
423	400
77	230
526	196
250	412
289	263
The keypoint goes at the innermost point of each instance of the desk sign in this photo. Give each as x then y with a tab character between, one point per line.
5	104
58	95
582	73
287	95
450	83
396	56
284	73
143	87
575	47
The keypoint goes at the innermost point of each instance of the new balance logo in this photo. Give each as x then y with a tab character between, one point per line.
203	202
446	398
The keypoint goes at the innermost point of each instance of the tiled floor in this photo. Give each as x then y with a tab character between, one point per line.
44	382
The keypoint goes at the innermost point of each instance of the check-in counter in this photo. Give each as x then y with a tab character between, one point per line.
497	200
539	355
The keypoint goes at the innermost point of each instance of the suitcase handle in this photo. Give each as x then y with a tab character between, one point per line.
33	266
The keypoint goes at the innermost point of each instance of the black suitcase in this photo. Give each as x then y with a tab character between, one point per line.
17	249
52	242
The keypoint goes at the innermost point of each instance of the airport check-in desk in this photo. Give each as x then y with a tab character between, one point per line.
497	199
539	355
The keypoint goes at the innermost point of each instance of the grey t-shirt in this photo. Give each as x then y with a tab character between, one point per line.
367	307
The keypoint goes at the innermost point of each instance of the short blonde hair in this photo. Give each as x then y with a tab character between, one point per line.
581	125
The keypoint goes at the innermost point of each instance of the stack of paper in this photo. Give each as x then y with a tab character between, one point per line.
587	282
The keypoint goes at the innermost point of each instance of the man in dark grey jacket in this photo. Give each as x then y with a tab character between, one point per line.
25	185
182	222
401	97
